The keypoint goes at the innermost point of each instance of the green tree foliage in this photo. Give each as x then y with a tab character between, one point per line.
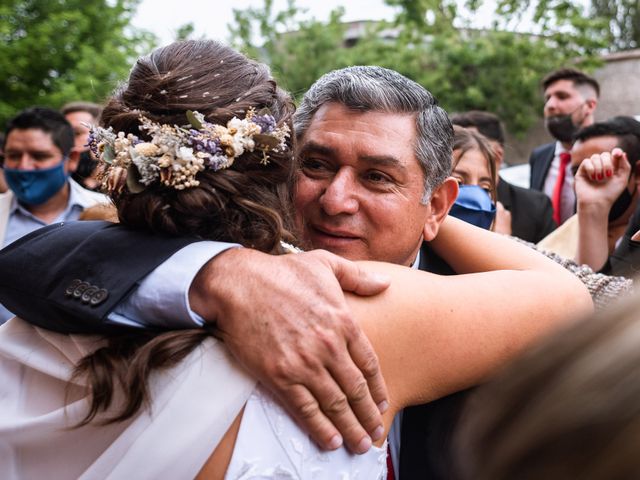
434	43
622	17
54	51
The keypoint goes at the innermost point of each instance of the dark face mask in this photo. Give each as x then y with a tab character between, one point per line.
620	205
561	127
86	165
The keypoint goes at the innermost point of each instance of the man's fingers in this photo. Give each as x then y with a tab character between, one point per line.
366	360
354	279
304	408
335	405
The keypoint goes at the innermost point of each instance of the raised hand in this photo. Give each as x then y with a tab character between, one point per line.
601	178
286	321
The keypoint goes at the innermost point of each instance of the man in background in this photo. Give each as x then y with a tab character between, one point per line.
80	115
570	100
39	156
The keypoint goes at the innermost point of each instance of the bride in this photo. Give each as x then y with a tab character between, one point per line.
214	160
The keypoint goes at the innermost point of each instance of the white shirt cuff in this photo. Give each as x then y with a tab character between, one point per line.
162	298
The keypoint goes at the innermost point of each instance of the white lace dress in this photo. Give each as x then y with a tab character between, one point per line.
271	446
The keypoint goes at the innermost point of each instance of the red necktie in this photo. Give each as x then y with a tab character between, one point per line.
565	158
390	474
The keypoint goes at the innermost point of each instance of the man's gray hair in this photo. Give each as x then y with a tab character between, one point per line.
370	88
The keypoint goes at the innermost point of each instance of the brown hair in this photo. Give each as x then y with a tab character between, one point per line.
577	77
465	140
248	203
91	108
569	408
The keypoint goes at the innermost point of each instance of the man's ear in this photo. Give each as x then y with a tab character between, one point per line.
439	206
72	162
591	104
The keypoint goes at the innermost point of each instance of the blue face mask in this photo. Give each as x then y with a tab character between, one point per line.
35	187
474	206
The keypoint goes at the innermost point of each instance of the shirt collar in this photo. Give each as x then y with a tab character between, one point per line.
416	263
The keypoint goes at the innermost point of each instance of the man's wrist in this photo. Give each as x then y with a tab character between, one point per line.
213	286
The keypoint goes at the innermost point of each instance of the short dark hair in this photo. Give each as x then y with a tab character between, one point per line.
91	108
486	123
48	120
574	75
626	129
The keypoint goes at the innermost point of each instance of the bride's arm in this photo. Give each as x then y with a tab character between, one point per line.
435	335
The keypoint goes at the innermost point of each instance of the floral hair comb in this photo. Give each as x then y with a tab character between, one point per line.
175	155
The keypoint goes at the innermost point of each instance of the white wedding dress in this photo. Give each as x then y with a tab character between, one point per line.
193	406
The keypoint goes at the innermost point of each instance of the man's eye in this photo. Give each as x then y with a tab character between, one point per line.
378	177
313	164
315	167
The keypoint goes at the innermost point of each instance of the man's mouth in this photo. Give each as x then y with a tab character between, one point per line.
325	237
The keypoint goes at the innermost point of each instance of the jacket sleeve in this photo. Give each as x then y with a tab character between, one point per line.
68	277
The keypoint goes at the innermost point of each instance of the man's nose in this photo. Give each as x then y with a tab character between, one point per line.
551	105
340	195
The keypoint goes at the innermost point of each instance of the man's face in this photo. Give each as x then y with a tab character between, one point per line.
31	149
582	150
359	190
563	98
80	130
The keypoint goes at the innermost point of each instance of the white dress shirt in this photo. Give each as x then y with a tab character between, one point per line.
568	195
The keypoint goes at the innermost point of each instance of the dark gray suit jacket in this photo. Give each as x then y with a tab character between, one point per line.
531	211
540	161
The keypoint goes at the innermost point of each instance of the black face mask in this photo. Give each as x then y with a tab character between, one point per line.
86	166
620	205
561	127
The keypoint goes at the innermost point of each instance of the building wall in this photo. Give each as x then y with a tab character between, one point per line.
619	80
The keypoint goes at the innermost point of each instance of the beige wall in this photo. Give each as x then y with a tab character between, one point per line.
619	82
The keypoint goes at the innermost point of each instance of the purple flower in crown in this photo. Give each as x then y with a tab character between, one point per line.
204	143
92	142
266	123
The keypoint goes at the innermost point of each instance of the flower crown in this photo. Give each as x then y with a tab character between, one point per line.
175	155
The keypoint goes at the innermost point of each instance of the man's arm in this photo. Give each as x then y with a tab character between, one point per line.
69	277
324	365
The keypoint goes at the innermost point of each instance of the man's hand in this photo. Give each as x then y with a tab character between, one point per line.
286	321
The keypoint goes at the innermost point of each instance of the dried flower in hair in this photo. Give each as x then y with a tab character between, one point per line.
175	155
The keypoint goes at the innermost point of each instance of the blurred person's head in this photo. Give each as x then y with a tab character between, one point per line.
38	154
488	125
81	115
570	99
474	168
375	151
568	408
622	132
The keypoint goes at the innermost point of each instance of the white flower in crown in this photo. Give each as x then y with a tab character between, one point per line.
175	155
